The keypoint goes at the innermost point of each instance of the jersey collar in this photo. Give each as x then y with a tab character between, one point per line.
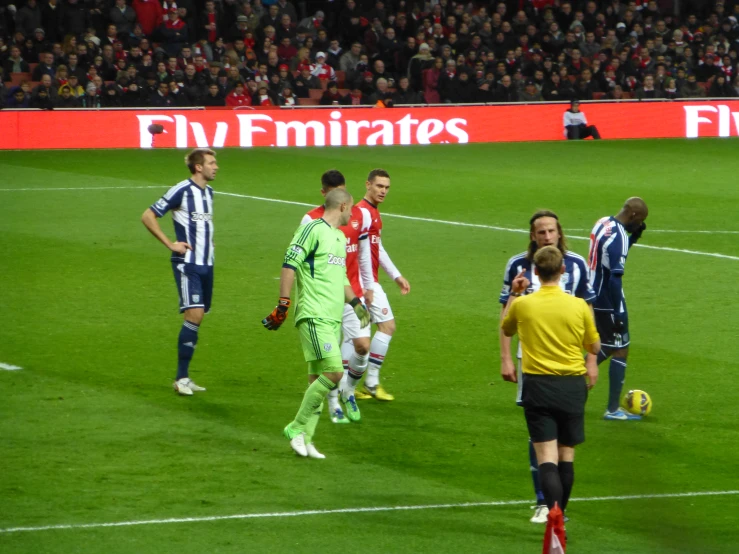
368	202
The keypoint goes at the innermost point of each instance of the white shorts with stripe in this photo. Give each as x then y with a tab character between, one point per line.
351	327
380	310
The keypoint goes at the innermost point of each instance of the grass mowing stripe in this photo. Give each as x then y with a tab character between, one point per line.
355	511
408	217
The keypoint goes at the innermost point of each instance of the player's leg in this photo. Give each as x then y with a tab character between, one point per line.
382	316
540	510
354	354
551	485
614	345
192	306
593	130
566	467
320	341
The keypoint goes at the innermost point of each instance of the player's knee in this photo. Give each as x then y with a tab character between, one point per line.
195	315
387	327
620	353
362	346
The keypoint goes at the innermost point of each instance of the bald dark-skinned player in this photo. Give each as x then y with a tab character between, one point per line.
610	241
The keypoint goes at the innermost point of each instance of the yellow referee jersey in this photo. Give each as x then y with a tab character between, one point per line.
553	327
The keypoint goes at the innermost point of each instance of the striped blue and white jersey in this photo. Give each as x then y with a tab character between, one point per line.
574	280
609	247
192	215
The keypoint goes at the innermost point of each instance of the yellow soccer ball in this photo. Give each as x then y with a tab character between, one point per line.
638	402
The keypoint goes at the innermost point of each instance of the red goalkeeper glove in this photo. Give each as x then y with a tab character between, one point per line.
278	316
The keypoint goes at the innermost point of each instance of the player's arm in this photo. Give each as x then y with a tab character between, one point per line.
366	276
295	255
508	326
389	267
591	344
151	222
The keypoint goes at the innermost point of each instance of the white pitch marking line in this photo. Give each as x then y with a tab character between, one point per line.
10	367
482	226
399	216
353	511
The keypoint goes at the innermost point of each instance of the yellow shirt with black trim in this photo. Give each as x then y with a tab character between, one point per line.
553	327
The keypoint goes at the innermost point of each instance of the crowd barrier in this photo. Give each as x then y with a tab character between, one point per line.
360	126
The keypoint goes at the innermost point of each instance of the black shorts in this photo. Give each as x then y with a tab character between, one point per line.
194	285
554	407
609	338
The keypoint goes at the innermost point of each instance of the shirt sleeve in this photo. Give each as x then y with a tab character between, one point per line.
618	249
510	321
306	219
171	200
387	264
584	290
591	333
505	292
300	247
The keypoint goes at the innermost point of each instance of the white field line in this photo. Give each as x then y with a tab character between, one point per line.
352	511
399	216
10	367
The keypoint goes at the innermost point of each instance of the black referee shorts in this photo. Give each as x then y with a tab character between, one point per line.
554	407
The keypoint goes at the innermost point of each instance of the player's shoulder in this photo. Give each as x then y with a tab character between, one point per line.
575	258
517	259
178	188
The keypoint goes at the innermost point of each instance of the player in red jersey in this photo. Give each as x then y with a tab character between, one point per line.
378	185
355	344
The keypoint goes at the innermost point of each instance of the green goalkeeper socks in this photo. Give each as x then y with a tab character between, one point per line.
312	400
310	427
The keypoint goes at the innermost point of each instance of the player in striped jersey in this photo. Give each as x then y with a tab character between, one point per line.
610	241
191	204
545	230
355	342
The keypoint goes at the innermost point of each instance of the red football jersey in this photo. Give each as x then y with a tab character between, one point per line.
355	230
375	230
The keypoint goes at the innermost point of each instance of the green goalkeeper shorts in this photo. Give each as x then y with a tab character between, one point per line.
321	340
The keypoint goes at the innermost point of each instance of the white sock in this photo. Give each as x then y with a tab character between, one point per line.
333	400
357	367
378	351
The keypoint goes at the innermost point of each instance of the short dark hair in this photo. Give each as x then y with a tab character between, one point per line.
332	179
377	173
197	157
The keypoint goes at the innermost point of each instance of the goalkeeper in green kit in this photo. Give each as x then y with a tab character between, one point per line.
317	256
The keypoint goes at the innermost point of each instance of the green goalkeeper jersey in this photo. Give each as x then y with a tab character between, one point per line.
317	253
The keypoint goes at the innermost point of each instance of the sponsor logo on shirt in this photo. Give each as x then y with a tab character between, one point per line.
199	216
336	260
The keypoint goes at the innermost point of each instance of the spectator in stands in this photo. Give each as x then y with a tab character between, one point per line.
179	98
404	94
173	32
287	98
312	24
355	97
66	99
707	69
670	90
505	91
15	64
51	20
286	51
648	89
161	98
691	88
431	82
74	84
45	66
321	69
123	17
331	96
462	89
28	18
736	85
382	97
531	93
149	14
40	99
304	82
111	97
237	97
91	99
74	17
214	96
616	93
17	98
61	77
721	88
418	64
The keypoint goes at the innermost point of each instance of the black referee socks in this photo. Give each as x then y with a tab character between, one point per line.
551	484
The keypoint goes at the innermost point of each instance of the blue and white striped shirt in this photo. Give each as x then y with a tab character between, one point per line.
192	215
609	247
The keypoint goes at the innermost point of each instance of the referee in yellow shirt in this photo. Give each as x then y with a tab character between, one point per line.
553	328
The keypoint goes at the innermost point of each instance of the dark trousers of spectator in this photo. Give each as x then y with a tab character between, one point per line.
577	132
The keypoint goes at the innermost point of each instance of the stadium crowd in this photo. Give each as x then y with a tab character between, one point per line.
116	53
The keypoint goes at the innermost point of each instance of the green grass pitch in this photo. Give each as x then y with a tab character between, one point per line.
91	432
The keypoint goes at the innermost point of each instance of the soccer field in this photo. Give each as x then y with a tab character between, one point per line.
92	434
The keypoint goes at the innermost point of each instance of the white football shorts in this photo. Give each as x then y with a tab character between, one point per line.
351	326
380	310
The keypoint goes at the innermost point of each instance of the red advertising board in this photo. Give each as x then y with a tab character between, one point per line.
365	126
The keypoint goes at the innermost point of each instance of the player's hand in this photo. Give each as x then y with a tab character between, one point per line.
278	316
361	311
591	371
520	283
636	235
180	247
405	286
369	296
508	371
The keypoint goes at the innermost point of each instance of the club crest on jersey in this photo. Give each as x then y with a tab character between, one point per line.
327	346
355	224
336	260
384	311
